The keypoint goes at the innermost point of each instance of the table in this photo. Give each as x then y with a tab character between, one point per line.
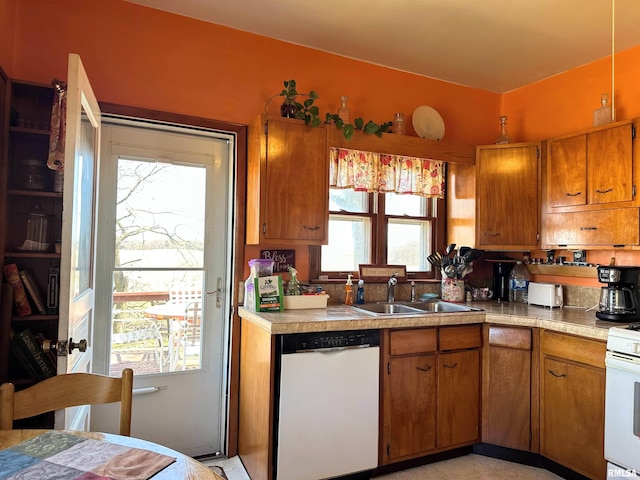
175	315
184	468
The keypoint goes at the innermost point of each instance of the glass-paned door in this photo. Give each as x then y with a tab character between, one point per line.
164	279
159	267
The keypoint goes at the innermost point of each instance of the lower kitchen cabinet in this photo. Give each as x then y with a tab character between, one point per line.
509	388
458	398
572	403
431	390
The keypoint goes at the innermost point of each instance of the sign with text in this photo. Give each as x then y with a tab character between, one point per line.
282	259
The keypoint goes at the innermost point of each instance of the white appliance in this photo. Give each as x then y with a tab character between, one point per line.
622	402
327	415
545	294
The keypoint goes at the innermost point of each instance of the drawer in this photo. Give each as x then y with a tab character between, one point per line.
458	337
582	350
509	337
415	340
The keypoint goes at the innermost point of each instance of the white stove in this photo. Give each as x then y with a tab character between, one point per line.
622	402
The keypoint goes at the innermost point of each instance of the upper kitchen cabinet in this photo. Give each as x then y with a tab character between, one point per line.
508	191
591	179
591	169
287	182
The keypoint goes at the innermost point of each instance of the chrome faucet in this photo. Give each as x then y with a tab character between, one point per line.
393	281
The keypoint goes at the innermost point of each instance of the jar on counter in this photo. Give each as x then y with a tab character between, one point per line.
32	174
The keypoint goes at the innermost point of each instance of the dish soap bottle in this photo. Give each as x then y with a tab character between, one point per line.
293	287
360	292
348	291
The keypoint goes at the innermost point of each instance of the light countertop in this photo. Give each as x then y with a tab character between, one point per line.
576	321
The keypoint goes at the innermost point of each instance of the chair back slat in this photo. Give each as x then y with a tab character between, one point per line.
69	390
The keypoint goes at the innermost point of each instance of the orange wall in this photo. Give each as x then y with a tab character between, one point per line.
142	57
145	58
7	9
565	103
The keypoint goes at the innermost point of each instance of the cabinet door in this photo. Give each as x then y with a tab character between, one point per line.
610	165
594	228
458	397
411	390
297	182
572	416
509	398
567	172
508	203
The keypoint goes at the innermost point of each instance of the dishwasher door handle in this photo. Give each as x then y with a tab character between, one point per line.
332	349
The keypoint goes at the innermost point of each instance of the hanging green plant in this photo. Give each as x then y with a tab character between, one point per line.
358	124
310	113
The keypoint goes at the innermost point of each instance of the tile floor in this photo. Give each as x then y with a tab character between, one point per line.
468	467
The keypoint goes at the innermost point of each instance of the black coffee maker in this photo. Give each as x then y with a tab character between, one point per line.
620	299
501	271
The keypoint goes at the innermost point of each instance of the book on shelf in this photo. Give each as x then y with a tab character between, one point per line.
53	290
22	359
33	291
31	356
20	300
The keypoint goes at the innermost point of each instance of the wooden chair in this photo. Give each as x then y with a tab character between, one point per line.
69	390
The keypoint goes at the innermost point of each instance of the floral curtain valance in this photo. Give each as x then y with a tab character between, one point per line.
376	172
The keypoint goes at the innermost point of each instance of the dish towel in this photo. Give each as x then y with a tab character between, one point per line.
58	126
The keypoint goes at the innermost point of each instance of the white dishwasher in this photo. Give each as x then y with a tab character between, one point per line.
327	406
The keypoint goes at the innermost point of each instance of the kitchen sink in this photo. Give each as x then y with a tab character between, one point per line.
387	308
441	307
412	308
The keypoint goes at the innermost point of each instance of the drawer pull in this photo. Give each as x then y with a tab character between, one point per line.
574	194
449	366
604	191
557	375
306	227
588	228
488	234
424	369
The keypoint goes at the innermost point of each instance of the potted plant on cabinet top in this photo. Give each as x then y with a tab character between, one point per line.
310	113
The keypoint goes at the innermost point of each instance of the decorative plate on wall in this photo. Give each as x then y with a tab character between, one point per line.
428	123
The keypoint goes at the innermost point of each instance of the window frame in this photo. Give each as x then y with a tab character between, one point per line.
379	223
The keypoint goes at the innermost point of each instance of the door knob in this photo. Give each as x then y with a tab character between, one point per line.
81	345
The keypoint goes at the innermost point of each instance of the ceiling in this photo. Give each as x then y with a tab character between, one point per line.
494	45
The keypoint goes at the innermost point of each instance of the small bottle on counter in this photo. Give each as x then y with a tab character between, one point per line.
348	291
360	292
519	284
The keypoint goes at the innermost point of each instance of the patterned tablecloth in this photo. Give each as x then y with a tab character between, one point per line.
64	456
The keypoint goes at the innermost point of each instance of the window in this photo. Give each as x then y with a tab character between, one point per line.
380	228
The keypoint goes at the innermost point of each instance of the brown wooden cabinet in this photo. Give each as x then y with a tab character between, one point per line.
508	198
287	182
431	390
31	219
591	181
592	168
509	388
572	392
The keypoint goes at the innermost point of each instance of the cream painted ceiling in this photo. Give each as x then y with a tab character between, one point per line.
494	45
